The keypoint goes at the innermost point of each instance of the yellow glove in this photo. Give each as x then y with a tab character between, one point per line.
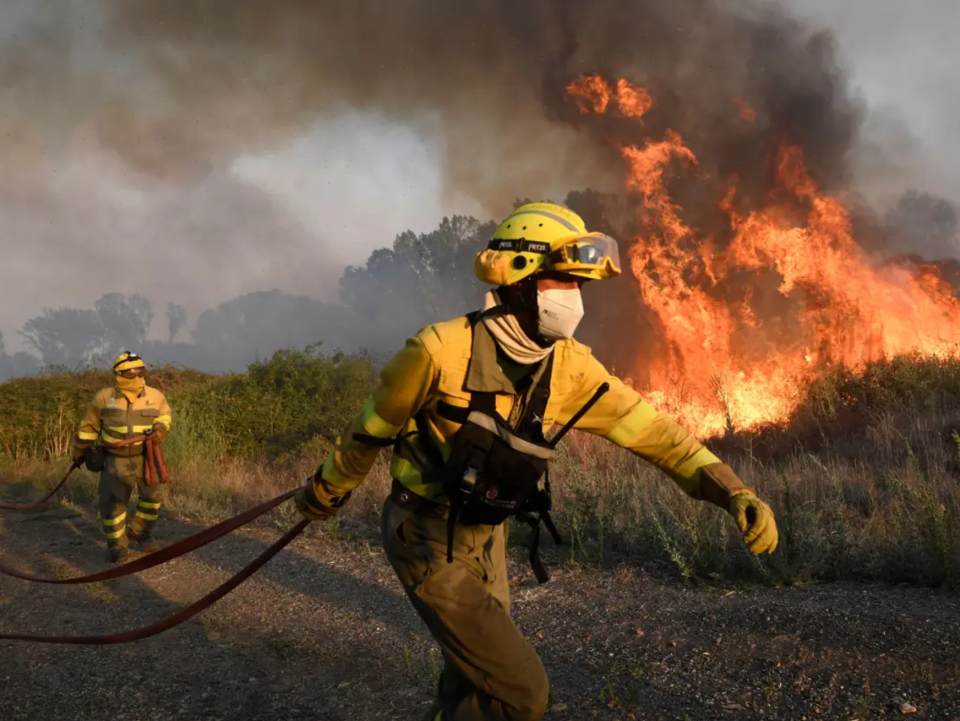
721	486
318	500
755	520
158	433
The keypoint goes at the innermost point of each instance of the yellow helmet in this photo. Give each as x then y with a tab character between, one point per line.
545	236
127	361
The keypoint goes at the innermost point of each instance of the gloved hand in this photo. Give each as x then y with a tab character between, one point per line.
755	520
720	485
318	500
79	451
158	433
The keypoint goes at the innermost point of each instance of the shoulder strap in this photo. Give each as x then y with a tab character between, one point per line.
426	442
485	403
532	422
541	394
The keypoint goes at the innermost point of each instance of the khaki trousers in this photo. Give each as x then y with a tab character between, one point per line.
490	671
120	476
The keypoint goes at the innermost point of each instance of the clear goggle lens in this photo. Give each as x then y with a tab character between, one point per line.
592	251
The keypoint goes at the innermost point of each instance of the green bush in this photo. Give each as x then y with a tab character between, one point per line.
39	416
844	409
280	405
913	381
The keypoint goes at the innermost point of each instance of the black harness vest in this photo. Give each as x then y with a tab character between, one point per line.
494	470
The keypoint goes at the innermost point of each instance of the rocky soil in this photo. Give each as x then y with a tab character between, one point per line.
324	632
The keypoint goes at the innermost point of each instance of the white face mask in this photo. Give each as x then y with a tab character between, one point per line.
560	311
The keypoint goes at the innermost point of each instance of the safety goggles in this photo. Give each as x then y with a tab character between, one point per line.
133	373
594	252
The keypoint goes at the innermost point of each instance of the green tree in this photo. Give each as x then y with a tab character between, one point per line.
65	336
16	365
253	326
176	320
422	278
72	336
125	322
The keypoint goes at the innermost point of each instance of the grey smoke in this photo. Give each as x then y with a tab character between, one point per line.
122	122
904	57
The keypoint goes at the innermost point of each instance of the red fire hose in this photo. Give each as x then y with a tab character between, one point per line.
161	464
184	615
174	550
159	557
75	466
149	463
154	463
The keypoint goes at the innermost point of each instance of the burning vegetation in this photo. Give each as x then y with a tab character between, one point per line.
754	307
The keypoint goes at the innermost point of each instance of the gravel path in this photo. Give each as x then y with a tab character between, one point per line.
324	632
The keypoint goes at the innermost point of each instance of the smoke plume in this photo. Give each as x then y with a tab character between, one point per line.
487	79
123	120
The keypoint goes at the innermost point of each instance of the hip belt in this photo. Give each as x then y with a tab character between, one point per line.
420	506
417	505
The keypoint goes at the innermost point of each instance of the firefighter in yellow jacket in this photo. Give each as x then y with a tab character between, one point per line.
130	408
468	404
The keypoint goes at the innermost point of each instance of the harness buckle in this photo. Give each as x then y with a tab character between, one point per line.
469	480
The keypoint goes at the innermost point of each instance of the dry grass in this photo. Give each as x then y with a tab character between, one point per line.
895	518
864	487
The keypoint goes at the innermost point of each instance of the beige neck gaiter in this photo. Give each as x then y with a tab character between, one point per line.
508	334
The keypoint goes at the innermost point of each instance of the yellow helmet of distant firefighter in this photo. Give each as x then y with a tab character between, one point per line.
544	236
127	361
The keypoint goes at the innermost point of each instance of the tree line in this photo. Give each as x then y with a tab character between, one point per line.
420	278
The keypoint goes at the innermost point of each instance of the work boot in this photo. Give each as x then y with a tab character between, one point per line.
144	539
118	554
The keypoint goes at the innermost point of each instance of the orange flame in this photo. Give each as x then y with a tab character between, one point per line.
593	95
736	356
746	112
633	101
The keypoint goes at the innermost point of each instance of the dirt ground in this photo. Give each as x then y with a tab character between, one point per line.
324	632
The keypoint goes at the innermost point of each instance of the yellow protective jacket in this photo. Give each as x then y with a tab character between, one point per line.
448	361
111	417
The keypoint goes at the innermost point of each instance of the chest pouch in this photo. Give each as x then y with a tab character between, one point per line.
494	471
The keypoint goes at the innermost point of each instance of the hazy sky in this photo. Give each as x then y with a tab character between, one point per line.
904	57
72	216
